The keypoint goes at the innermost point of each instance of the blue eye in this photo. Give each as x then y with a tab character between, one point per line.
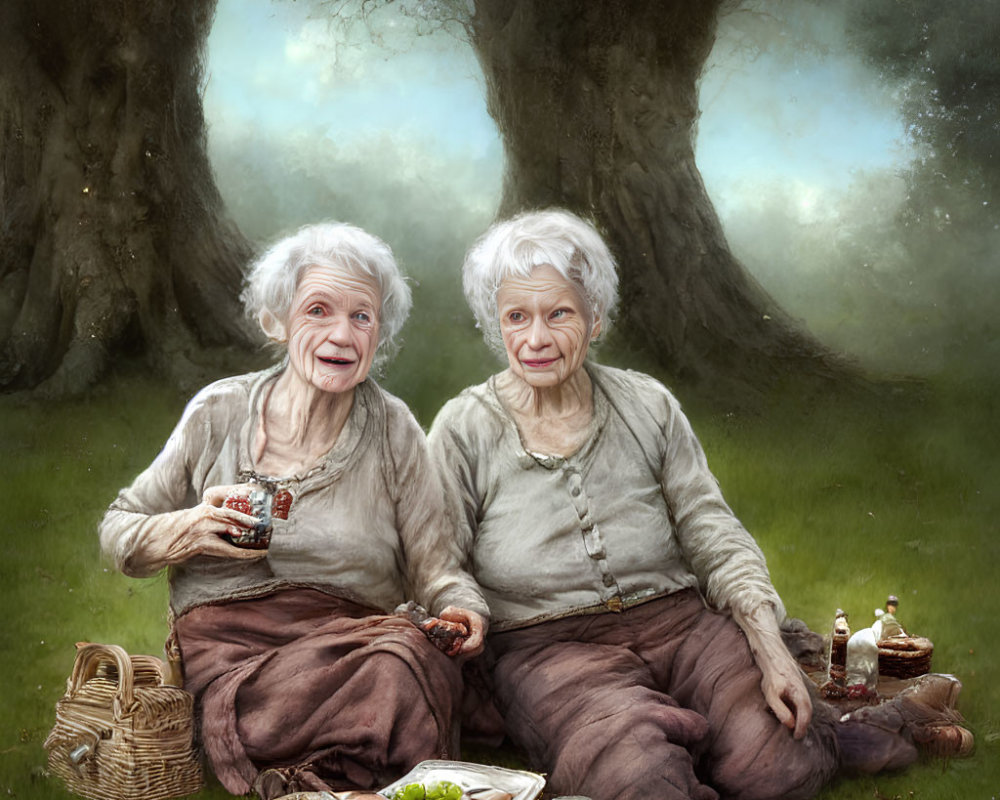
363	316
315	311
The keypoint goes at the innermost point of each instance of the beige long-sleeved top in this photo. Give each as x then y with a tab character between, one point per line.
367	523
633	515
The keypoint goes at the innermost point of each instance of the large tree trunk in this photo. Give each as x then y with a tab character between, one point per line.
112	233
597	104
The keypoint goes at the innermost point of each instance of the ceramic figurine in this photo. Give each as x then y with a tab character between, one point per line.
887	626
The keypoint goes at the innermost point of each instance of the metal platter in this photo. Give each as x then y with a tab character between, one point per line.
522	785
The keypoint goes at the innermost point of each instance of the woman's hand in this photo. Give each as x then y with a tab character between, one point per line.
177	536
781	682
474	624
784	691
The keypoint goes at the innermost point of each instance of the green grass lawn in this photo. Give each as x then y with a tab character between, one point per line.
851	499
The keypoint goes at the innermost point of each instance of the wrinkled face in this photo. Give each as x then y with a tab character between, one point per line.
332	328
546	325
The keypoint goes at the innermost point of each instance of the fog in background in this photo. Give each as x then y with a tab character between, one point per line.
802	144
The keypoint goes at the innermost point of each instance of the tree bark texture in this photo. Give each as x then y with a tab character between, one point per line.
597	104
112	232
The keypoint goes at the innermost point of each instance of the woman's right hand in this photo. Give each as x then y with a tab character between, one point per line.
177	536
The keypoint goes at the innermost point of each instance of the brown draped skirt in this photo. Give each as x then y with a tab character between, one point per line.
335	695
661	701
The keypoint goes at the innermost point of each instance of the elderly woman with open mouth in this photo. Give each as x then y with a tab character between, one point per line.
304	677
635	641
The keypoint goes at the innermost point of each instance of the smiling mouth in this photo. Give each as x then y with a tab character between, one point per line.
337	362
538	362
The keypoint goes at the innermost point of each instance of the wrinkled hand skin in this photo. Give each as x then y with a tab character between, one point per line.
782	681
177	536
475	638
456	631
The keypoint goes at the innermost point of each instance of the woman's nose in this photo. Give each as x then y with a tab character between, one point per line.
339	329
538	334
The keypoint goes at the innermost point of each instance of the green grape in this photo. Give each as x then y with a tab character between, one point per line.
444	790
412	791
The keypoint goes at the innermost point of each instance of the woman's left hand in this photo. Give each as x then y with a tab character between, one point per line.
782	681
784	691
474	624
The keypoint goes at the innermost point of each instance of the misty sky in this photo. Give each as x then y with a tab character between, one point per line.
784	115
798	142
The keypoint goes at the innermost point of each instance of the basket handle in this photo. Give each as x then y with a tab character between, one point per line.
89	657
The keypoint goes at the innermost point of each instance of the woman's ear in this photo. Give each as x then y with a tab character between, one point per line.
273	327
596	330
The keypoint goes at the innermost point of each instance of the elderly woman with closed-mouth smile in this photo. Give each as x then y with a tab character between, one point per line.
635	643
304	677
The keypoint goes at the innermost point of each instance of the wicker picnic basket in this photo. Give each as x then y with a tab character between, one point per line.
905	656
120	733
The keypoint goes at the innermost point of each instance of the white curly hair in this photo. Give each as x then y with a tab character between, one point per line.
514	247
274	277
